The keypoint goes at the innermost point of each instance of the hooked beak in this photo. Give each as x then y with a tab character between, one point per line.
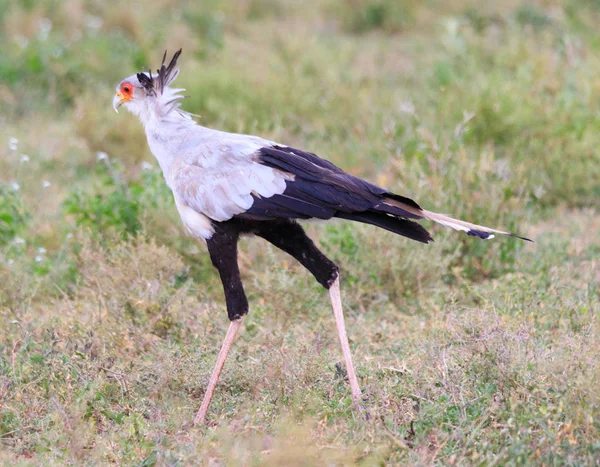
118	101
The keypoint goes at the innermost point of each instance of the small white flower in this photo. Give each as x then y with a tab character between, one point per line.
146	166
19	241
41	250
93	22
46	184
58	51
45	28
21	41
539	191
69	235
13	144
39	259
24	158
10	262
407	107
452	26
101	156
15	186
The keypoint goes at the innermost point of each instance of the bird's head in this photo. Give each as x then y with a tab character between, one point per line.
146	94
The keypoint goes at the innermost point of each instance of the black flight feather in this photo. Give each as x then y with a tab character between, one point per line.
397	225
321	190
322	183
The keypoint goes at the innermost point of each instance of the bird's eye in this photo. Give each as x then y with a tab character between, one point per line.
126	89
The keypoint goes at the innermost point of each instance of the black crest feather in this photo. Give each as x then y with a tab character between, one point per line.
147	82
164	75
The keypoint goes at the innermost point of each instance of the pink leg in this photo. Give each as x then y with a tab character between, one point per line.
214	378
336	303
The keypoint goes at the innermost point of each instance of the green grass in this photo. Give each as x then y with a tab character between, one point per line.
470	352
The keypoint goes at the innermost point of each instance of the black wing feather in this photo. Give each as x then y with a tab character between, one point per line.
397	225
322	190
326	183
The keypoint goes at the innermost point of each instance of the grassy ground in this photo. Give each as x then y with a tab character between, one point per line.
470	352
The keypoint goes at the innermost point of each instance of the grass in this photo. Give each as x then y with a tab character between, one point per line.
470	352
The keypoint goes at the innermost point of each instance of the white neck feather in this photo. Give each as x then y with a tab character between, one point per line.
160	109
166	125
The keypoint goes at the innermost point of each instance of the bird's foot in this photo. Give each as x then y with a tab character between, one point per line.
360	407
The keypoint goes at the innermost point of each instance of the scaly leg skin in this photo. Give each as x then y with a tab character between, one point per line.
214	378
336	303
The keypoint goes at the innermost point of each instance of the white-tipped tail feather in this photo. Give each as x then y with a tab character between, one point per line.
475	230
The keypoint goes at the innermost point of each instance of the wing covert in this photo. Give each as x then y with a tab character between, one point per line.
224	183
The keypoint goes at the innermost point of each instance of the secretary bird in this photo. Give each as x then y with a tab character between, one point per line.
226	185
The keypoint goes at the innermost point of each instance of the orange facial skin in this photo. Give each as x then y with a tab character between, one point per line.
125	93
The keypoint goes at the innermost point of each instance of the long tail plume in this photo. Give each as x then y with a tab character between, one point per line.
474	230
408	208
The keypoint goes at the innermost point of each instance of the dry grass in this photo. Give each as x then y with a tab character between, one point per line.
470	352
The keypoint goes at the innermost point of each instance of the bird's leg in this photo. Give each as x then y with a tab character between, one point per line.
291	238
222	247
336	304
214	378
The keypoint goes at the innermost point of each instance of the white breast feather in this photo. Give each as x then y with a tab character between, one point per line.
197	224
